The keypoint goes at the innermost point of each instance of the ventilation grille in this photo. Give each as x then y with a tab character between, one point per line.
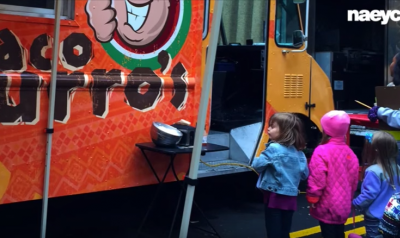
293	87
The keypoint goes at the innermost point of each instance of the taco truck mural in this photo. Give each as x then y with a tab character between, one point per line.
123	65
117	73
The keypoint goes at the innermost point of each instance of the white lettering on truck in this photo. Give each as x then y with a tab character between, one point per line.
374	15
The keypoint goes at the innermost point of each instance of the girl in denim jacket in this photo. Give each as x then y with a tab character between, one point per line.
281	166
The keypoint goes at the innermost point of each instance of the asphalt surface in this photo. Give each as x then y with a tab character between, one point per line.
232	204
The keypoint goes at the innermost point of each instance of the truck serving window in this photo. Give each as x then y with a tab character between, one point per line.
287	20
36	8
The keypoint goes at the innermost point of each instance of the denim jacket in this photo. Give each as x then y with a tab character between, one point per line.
281	168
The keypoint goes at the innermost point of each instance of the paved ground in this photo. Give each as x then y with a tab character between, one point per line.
232	204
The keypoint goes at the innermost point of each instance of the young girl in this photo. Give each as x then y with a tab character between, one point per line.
333	176
281	166
381	181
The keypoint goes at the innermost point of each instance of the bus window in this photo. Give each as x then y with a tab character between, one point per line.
286	22
36	8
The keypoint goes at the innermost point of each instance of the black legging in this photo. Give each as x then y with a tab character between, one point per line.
332	230
278	222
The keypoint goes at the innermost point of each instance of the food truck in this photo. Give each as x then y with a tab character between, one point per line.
123	65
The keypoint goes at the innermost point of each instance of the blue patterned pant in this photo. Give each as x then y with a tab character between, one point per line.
371	228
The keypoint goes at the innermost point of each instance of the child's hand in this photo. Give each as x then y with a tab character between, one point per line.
312	200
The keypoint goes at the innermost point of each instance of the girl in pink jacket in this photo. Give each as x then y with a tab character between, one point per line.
333	176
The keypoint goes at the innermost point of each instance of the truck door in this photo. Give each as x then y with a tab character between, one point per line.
288	72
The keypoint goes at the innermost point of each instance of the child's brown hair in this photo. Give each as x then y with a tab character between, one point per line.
290	130
325	138
383	150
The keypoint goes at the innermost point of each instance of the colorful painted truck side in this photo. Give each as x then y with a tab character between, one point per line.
121	66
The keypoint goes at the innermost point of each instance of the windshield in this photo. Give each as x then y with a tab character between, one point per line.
287	21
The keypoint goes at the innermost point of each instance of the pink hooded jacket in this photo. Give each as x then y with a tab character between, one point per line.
333	172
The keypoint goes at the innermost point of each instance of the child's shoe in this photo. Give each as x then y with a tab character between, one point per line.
352	235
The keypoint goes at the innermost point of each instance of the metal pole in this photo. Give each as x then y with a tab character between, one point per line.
50	120
201	117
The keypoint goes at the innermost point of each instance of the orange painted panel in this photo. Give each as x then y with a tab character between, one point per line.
116	75
264	137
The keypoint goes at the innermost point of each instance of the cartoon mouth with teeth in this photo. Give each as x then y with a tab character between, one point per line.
137	14
144	23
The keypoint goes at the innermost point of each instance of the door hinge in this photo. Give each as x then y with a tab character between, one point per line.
308	106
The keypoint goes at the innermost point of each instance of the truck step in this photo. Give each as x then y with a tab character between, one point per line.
218	138
244	141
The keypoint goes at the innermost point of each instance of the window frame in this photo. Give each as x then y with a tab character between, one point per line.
40	12
285	45
206	21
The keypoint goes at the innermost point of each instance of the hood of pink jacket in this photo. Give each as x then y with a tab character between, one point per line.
335	123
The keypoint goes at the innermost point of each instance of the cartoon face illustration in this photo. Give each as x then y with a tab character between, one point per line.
139	32
137	22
